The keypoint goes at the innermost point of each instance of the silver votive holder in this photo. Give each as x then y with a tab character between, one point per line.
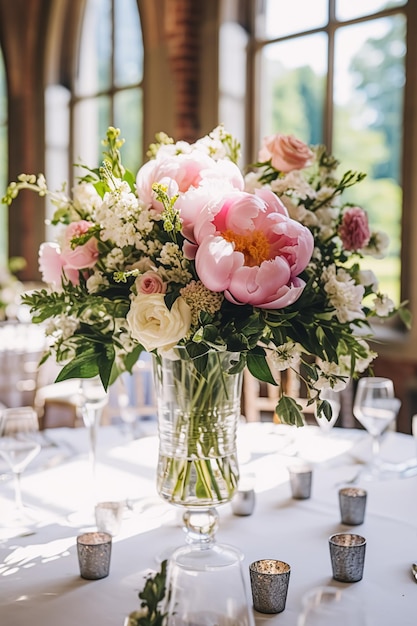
352	503
94	551
347	555
244	500
269	580
109	516
301	477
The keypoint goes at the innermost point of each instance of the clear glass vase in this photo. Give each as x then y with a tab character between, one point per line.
198	413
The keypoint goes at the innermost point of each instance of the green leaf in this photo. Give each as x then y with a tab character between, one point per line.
289	411
406	317
324	408
130	179
82	366
105	362
259	368
132	358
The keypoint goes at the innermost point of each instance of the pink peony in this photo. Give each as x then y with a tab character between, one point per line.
286	152
187	171
52	266
82	256
354	229
252	250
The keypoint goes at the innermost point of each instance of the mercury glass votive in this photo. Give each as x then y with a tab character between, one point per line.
243	502
109	516
94	551
269	583
352	503
301	477
347	555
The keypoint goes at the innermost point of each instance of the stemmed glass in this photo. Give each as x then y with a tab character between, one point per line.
19	446
375	407
327	606
128	412
93	399
333	398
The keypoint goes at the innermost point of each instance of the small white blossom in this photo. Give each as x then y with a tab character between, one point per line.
283	357
368	279
252	182
96	282
85	198
377	246
383	305
361	363
331	375
344	295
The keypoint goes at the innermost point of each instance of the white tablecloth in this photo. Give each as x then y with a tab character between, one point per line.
39	575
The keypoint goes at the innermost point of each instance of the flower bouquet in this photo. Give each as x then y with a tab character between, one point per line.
195	253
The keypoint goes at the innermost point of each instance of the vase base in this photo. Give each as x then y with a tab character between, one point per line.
198	574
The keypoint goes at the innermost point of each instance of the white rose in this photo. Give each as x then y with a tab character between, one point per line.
154	325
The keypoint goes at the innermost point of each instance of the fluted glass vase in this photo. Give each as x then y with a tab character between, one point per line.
198	413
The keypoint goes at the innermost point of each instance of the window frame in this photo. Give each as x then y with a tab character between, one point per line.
396	340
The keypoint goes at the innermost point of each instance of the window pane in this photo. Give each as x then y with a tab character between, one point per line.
369	90
128	117
94	72
346	9
128	43
91	120
278	18
293	87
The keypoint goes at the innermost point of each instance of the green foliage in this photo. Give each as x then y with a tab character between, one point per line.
151	597
289	411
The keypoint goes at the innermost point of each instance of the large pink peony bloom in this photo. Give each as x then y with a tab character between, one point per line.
286	152
52	266
80	257
250	249
186	171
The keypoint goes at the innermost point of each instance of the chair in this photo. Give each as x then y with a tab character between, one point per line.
132	396
259	399
21	347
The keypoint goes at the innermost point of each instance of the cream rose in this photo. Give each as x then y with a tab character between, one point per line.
154	325
286	152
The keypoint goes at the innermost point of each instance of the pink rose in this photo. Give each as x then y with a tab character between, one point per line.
286	152
254	251
52	267
150	282
82	256
354	229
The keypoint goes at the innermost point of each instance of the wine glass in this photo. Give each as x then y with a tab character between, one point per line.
327	606
332	397
375	407
128	411
19	446
93	399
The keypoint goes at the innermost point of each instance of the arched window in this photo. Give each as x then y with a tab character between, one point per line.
108	82
105	90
